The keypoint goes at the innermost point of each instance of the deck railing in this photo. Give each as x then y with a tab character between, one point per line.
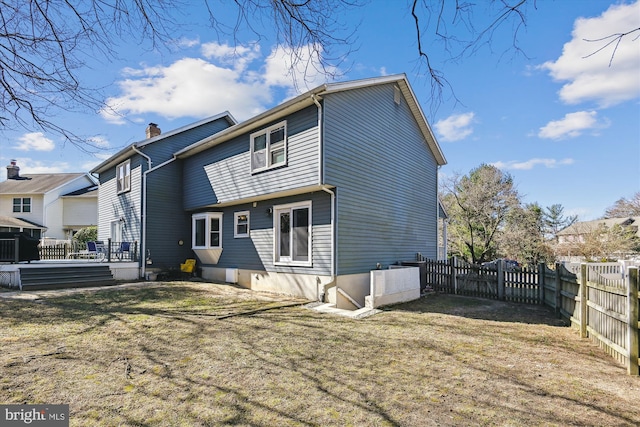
113	251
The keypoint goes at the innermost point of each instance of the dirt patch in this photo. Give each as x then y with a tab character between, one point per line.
170	354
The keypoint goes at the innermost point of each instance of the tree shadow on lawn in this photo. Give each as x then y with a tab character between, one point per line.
481	309
94	308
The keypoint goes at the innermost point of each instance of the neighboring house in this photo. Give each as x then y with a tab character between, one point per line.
47	206
580	233
303	199
141	193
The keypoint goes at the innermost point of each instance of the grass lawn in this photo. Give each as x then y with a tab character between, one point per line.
201	354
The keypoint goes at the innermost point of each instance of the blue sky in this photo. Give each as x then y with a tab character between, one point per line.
564	124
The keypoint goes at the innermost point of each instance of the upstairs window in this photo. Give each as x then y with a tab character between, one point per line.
22	204
123	176
269	147
207	230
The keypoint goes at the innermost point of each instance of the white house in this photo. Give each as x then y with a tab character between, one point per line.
47	206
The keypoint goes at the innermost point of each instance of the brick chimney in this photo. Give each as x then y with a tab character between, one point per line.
13	170
153	130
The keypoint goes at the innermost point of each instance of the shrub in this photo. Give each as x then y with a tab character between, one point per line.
86	234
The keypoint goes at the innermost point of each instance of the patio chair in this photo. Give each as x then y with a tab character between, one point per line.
188	268
125	247
96	250
92	250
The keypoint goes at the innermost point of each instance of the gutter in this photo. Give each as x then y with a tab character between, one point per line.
323	291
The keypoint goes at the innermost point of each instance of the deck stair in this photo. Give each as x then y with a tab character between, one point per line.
65	277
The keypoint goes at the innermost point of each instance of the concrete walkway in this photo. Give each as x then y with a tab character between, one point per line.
353	314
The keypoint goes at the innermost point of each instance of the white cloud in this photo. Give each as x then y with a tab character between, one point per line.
237	79
306	74
29	166
530	164
572	125
455	127
609	76
35	141
99	141
238	57
184	42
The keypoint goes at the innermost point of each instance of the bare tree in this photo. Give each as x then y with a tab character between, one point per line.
44	44
597	242
624	207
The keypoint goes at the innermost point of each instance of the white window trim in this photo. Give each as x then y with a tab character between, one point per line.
276	235
236	216
267	132
22	204
127	177
207	216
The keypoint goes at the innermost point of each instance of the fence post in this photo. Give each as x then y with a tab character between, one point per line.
454	274
632	311
558	294
542	269
16	249
501	280
583	300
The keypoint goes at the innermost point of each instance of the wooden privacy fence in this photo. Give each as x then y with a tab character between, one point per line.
600	300
458	277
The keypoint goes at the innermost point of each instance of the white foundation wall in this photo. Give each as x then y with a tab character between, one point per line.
392	286
349	292
306	286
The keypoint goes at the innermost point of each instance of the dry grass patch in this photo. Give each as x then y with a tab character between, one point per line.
174	354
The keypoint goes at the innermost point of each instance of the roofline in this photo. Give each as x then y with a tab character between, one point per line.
84	174
80	175
127	151
290	106
305	100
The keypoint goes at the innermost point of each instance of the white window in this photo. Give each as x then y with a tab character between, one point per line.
292	231
123	176
22	204
269	147
207	230
241	224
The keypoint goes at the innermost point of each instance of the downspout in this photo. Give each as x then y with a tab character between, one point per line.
143	232
325	188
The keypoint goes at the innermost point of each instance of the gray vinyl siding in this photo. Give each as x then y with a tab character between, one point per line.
386	179
256	251
223	173
113	206
162	150
167	222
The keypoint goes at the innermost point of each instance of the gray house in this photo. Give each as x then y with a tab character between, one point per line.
305	199
140	192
